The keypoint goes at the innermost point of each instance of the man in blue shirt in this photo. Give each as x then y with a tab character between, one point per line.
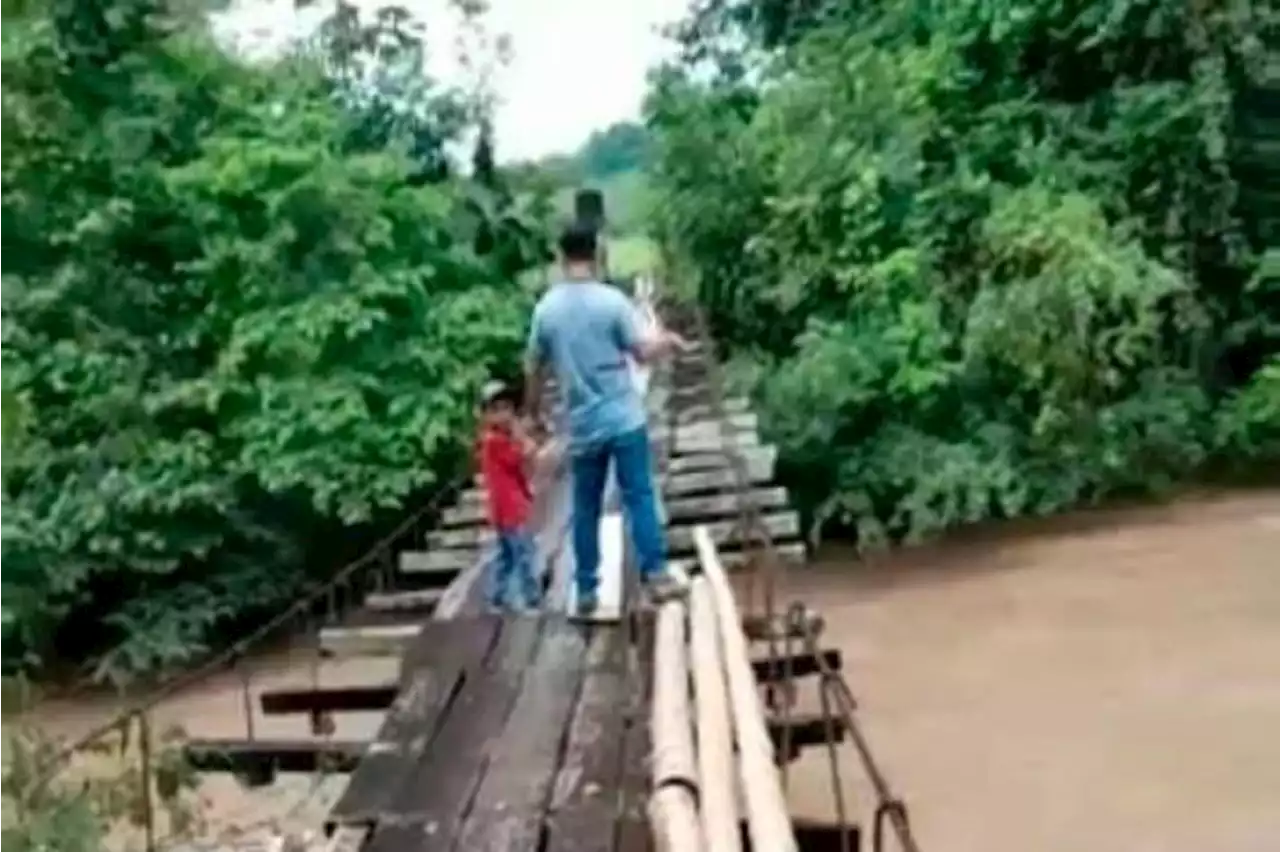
585	330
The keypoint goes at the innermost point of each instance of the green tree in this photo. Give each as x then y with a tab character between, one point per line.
238	338
991	258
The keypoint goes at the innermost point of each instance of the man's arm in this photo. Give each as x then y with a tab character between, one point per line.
646	347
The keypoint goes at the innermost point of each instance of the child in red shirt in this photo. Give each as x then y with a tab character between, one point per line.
504	451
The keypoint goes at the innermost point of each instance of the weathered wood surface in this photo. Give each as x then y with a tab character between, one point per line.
633	834
432	800
509	806
441	656
584	808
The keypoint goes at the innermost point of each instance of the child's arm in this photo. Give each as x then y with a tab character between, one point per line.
527	445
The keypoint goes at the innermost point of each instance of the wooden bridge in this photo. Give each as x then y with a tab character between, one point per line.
669	729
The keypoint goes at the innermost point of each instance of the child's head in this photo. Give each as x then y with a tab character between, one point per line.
497	404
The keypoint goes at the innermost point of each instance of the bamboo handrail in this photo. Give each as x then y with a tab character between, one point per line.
717	781
768	823
673	815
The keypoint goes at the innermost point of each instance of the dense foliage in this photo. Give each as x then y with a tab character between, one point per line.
246	307
987	259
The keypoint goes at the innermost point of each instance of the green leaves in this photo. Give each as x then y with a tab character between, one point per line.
235	338
990	253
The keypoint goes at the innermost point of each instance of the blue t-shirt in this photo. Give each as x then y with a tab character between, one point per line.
586	330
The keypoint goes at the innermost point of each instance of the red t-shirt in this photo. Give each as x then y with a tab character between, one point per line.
505	480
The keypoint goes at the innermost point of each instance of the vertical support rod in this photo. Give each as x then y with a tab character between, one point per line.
144	756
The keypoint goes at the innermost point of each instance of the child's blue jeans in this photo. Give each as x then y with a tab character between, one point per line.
513	561
633	464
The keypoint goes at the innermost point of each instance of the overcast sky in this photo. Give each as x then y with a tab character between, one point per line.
577	65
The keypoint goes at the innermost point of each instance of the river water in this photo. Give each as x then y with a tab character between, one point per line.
1106	681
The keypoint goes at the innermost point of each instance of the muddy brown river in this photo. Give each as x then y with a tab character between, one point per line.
1108	681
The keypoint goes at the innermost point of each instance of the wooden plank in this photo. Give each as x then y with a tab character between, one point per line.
365	697
419	600
510	805
791	553
707	429
584	806
712	442
758	461
781	526
435	667
448	562
730	405
373	640
633	833
717	786
765	801
460	538
724	505
241	755
799	731
433	798
722	478
463	515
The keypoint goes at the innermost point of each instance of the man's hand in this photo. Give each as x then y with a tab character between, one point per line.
676	342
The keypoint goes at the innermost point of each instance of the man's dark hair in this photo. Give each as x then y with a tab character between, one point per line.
578	242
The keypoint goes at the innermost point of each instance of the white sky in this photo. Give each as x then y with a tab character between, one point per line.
576	65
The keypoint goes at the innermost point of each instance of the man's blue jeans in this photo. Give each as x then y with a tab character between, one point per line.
513	560
631	457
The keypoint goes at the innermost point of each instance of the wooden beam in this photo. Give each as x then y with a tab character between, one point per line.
249	756
329	700
673	755
802	730
781	526
759	462
708	441
815	836
786	552
766	806
717	785
724	505
446	562
721	478
367	640
799	664
420	601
